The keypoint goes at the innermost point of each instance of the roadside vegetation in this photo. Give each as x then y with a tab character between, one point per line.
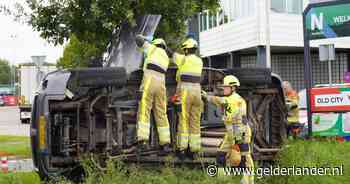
319	153
20	178
18	146
299	153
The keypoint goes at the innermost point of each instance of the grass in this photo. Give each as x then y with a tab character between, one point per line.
20	178
15	146
298	153
118	173
318	153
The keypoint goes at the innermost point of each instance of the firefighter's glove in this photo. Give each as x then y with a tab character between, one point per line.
140	39
170	52
204	94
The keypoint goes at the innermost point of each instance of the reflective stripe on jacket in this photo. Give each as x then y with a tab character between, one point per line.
189	67
156	56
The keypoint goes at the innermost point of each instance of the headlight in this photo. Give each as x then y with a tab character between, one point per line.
25	115
42	133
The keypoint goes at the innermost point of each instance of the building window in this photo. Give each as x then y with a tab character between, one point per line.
212	20
239	8
278	5
203	21
229	11
287	6
200	22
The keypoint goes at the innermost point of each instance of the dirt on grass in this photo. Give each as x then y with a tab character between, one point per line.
5	154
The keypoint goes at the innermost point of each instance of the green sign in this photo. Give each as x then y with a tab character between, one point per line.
329	21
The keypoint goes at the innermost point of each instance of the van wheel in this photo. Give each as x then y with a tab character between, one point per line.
251	76
98	77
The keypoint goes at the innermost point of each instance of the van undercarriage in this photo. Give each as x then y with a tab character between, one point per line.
93	112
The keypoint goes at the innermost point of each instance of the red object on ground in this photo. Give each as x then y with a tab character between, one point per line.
4	165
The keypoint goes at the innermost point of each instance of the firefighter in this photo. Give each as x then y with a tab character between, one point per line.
153	92
188	78
292	101
235	148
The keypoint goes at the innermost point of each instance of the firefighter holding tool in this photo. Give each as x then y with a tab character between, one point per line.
153	92
188	96
235	150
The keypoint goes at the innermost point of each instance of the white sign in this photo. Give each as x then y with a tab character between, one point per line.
342	99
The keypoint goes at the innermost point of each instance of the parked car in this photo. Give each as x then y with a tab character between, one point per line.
10	100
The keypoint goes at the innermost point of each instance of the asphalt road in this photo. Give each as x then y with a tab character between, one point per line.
10	123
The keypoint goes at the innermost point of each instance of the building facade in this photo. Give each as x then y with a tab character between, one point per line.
237	34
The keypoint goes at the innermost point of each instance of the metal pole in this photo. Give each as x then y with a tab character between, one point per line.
268	48
330	72
307	75
12	64
14	79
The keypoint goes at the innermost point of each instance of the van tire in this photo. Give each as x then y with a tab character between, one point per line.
98	77
251	76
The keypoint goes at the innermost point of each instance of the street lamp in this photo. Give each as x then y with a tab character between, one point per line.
12	64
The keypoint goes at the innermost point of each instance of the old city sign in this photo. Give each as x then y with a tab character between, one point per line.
328	21
330	99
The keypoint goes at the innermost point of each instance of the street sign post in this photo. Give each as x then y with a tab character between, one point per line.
322	21
327	53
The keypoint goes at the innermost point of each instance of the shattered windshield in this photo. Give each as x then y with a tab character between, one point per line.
124	53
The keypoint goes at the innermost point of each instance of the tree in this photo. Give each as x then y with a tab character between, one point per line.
5	72
92	22
77	53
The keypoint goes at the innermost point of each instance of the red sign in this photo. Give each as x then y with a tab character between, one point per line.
330	99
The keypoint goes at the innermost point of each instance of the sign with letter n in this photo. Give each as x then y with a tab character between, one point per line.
324	20
328	21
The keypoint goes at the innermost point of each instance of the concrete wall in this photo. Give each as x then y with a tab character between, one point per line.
236	35
285	30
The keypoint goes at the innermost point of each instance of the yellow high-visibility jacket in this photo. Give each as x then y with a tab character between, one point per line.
190	65
155	55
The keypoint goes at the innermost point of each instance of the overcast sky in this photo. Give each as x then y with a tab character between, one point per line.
18	41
